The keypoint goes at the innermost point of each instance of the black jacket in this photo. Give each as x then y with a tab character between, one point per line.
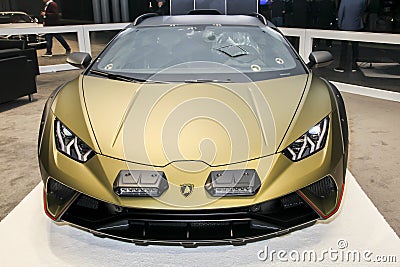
52	17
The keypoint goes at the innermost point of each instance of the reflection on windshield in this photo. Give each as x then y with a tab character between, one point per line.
250	50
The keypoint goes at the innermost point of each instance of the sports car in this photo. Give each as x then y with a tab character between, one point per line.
190	130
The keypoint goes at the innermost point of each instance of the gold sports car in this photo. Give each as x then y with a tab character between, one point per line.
194	130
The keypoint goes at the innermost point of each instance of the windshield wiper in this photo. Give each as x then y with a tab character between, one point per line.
120	77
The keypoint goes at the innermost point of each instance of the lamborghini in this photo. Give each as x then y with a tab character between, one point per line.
190	130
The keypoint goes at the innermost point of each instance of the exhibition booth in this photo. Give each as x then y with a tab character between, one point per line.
92	38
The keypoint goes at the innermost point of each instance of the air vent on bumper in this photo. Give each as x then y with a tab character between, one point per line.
140	183
233	183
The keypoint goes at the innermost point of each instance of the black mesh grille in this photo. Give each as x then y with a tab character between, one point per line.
323	188
88	202
58	190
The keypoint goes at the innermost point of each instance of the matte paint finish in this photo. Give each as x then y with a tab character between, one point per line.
279	175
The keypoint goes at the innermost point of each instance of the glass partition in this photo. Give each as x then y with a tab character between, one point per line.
58	52
377	65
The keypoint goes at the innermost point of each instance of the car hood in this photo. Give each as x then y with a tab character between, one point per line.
217	124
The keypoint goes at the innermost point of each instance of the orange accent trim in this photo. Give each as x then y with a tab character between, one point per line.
62	211
45	206
318	210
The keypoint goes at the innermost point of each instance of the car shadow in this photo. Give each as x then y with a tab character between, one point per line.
15	103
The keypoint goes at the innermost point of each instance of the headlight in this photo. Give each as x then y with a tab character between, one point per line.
309	143
69	144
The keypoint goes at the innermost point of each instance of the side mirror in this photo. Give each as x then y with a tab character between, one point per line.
319	59
79	59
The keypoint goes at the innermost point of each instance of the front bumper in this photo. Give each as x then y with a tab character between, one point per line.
292	195
189	228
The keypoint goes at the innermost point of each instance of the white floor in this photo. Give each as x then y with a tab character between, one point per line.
29	238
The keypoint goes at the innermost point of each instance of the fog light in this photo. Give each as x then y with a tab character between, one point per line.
140	184
128	191
234	191
233	183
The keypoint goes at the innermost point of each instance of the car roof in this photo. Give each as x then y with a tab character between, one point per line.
242	20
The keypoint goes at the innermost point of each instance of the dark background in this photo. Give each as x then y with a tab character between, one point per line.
382	15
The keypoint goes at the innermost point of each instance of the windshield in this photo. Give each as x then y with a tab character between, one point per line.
14	18
259	52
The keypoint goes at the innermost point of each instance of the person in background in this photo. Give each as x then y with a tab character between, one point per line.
326	19
312	13
374	7
51	17
350	18
275	11
278	12
300	13
158	6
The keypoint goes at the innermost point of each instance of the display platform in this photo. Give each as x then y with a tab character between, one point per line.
29	238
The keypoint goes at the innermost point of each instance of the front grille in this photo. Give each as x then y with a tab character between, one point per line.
88	202
292	200
142	225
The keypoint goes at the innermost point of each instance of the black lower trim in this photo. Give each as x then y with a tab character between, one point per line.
233	226
197	243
